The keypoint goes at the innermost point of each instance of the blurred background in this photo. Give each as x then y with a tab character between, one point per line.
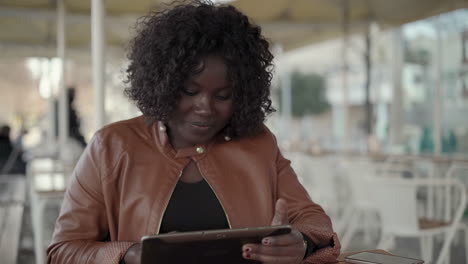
372	100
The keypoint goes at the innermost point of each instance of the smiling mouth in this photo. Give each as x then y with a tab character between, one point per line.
201	125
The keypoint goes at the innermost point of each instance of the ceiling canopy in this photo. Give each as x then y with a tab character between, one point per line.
29	26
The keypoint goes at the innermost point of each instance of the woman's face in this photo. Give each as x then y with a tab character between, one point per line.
205	106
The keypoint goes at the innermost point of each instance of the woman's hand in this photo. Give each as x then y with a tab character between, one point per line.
133	254
289	248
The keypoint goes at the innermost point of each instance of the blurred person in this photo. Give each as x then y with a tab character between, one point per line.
198	158
74	123
6	147
74	120
11	154
73	147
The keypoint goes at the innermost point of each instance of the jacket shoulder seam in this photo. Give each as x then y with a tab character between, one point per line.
104	177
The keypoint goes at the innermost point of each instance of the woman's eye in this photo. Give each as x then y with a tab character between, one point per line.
189	92
224	96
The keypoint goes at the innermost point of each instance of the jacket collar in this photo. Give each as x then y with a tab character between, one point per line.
196	152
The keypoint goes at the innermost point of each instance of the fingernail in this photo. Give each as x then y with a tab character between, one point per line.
247	255
266	241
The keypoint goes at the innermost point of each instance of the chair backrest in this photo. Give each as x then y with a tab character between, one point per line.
458	171
406	167
46	174
397	205
317	176
393	166
358	173
321	175
397	201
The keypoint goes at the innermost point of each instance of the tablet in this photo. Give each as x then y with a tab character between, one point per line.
211	246
373	258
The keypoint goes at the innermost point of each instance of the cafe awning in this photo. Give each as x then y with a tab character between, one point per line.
28	27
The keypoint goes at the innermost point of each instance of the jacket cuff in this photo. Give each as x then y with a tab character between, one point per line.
115	251
327	244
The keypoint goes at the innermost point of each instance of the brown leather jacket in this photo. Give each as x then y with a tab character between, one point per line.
123	181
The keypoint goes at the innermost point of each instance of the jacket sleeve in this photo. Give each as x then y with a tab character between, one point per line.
82	227
306	216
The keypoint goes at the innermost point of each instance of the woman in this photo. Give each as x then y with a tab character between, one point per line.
199	158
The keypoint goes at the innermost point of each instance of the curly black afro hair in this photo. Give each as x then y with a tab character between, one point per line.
170	43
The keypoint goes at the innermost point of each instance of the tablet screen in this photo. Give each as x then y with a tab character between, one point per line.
213	246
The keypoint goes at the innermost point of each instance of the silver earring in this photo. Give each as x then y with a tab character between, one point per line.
162	128
227	138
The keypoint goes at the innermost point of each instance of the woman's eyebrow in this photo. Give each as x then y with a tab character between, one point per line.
194	82
227	86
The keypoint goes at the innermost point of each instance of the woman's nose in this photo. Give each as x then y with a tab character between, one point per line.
203	105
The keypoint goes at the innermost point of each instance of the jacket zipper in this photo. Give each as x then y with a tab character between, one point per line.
220	202
167	203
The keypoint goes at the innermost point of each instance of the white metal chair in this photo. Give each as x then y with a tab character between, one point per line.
459	171
47	179
397	205
317	175
363	214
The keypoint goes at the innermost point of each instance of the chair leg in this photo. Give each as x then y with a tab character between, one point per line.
386	242
35	216
349	233
448	257
367	227
466	242
340	227
422	246
425	249
39	233
444	254
430	247
457	239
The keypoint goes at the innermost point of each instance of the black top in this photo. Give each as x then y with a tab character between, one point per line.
193	207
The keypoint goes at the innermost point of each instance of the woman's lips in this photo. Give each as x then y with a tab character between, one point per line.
201	126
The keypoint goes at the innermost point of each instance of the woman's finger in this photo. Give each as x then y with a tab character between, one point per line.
273	250
284	240
266	259
288	248
281	213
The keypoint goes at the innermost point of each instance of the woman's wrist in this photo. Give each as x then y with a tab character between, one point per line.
309	245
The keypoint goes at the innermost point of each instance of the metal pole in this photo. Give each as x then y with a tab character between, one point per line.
368	61
396	125
286	100
438	98
63	98
52	111
285	94
97	48
344	75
